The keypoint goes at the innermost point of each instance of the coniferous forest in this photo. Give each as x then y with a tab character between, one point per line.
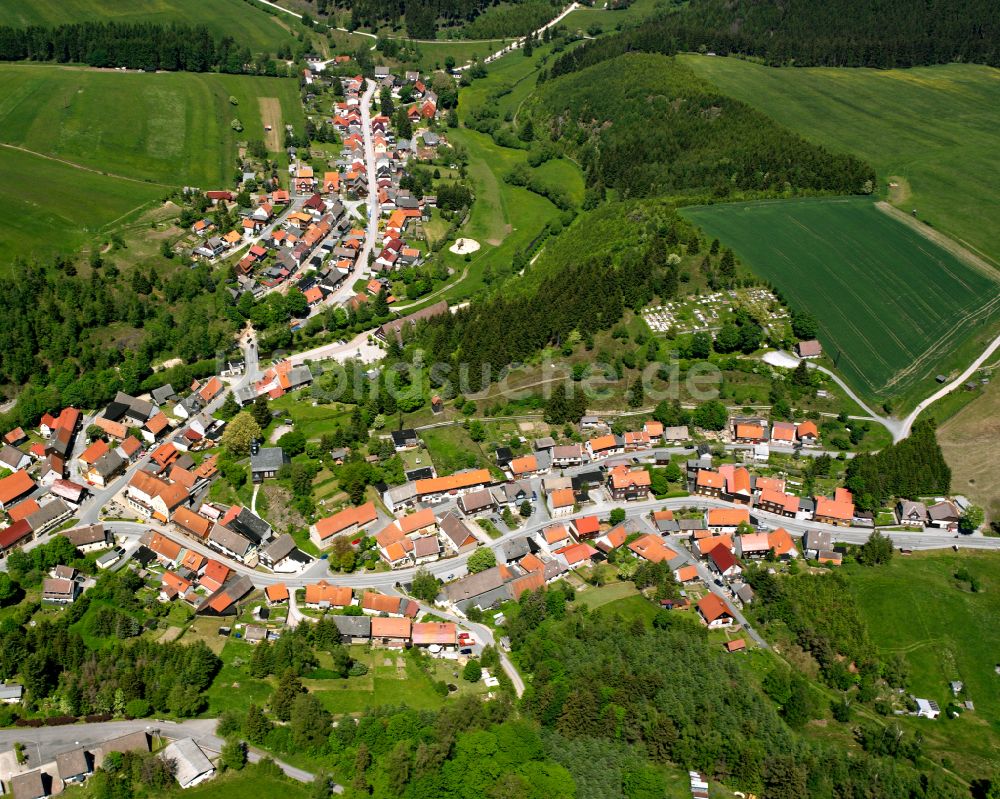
648	126
836	33
134	46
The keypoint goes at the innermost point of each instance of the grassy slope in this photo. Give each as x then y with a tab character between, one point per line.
171	128
57	207
145	133
246	23
968	441
897	308
936	127
916	608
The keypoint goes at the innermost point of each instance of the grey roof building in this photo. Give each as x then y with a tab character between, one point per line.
481	590
250	525
229	541
353	628
267	462
193	766
163	394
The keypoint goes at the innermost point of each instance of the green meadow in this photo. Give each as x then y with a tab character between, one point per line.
916	608
59	208
894	309
246	22
88	150
936	128
168	128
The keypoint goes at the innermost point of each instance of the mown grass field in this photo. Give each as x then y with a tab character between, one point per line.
938	128
170	128
245	22
894	309
57	207
96	148
916	608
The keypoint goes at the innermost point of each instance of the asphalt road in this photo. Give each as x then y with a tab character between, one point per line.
44	743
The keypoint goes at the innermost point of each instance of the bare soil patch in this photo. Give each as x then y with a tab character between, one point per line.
270	116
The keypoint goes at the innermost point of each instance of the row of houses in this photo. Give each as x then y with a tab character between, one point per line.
735	484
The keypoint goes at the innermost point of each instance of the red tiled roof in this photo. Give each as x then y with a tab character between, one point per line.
15	485
345	519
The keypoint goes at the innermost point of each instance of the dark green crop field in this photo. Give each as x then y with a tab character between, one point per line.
894	308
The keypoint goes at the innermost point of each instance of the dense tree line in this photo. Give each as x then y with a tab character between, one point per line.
838	33
423	17
54	663
54	339
647	125
911	468
616	698
133	45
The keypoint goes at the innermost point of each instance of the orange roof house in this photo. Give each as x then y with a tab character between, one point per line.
22	510
454	482
390	629
347	520
807	429
323	593
576	553
714	611
781	542
783	432
380	603
839	510
443	633
686	574
727	517
525	465
164	547
562	498
14	486
709	480
749	432
94	452
651	548
276	593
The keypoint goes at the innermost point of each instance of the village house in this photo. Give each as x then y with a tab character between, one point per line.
457	535
944	515
726	520
628	485
322	596
838	511
714	612
709	483
347	522
911	514
561	502
605	446
809	349
778	502
436	489
652	548
90	538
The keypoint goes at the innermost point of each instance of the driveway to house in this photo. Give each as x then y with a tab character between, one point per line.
484	634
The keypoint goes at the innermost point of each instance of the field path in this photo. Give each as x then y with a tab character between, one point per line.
977	262
84	168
